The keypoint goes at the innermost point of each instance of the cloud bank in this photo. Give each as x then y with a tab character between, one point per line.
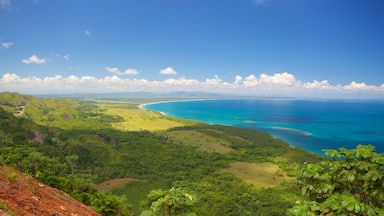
276	85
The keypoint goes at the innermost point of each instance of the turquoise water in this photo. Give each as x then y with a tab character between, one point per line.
312	125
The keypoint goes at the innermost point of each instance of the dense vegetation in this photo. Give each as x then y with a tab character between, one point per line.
351	183
79	146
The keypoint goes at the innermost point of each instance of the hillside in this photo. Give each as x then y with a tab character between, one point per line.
20	194
110	155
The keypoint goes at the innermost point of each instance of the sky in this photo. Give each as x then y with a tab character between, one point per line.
299	48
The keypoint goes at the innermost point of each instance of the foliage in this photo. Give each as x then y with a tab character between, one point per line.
224	194
174	202
79	146
12	177
108	204
350	183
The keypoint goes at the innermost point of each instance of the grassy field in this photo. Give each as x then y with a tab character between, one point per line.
261	175
136	119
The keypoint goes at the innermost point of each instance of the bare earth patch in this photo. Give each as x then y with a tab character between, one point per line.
22	195
115	183
261	175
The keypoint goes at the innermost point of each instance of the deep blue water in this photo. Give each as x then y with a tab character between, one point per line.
311	125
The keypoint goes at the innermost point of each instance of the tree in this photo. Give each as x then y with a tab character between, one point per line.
351	182
71	160
108	204
173	202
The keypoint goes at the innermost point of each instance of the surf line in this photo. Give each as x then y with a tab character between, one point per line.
302	132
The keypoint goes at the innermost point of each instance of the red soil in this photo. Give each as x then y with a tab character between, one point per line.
23	195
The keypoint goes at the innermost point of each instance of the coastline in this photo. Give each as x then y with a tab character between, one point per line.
304	128
142	106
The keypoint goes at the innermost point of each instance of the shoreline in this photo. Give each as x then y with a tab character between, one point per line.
295	135
142	106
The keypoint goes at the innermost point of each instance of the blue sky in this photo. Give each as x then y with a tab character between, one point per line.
261	47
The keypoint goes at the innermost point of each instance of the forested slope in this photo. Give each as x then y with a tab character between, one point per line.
75	146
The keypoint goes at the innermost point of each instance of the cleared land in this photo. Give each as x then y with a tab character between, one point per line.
261	175
115	183
136	119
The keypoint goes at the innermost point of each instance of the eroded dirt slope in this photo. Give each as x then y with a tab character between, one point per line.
23	195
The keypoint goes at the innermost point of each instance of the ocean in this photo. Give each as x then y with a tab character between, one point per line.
311	125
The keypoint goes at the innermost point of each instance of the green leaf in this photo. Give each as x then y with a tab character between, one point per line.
351	203
333	202
332	153
364	151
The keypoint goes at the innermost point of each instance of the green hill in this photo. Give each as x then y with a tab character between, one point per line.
85	147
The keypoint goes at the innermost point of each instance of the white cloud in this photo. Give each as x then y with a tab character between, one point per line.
87	33
9	78
214	81
317	85
7	45
278	79
67	57
359	86
279	84
128	71
238	79
168	71
181	82
5	3
250	81
131	71
34	60
113	70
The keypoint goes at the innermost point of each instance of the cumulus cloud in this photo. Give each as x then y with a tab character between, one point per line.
359	86
34	60
238	79
131	71
324	84
214	81
168	71
7	45
250	81
278	79
279	84
128	71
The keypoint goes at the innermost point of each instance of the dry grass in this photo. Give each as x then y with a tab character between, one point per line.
136	119
261	175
